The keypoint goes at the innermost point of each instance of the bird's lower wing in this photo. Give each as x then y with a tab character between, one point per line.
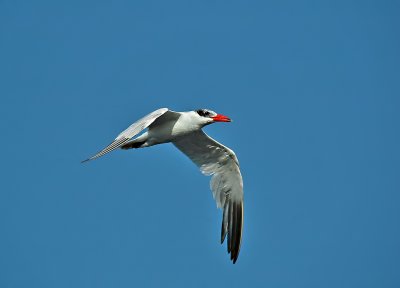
226	183
130	132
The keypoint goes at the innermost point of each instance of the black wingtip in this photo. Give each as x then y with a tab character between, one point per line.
223	235
234	215
84	161
224	226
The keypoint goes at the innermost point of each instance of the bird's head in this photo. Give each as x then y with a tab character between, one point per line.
206	117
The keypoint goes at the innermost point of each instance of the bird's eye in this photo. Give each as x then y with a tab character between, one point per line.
203	112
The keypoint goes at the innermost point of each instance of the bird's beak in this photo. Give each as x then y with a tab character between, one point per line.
221	118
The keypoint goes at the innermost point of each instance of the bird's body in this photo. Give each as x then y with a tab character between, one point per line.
167	128
184	130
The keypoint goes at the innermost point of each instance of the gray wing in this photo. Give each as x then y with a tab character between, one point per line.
226	183
130	132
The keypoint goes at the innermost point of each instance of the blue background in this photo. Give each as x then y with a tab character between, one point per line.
313	89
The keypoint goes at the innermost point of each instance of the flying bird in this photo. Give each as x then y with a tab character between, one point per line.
184	130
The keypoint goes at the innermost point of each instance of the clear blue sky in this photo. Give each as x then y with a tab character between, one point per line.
312	86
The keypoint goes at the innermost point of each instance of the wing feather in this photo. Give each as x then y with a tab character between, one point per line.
221	163
130	132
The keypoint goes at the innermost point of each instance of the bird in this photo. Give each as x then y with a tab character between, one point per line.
184	130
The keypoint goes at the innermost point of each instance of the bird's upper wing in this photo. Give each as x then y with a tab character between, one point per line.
226	183
131	132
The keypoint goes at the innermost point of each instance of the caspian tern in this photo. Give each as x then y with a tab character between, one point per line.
184	130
